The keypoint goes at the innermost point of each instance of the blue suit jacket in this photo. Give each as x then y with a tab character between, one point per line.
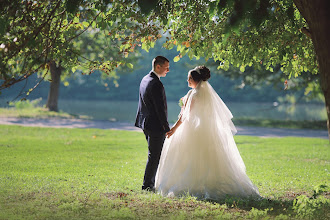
152	109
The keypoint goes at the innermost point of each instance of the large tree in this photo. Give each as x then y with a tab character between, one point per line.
243	33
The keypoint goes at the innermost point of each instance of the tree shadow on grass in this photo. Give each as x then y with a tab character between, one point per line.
291	205
273	206
300	205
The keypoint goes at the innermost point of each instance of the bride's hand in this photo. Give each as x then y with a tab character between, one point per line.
170	132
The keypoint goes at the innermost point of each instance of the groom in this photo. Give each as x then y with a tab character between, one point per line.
151	117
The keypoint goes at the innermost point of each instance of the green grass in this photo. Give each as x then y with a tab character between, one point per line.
33	109
49	173
37	112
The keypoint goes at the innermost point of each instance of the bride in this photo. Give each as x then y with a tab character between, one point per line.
200	157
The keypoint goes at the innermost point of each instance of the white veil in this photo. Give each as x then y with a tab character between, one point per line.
203	105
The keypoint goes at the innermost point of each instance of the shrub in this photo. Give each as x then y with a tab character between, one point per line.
26	104
312	208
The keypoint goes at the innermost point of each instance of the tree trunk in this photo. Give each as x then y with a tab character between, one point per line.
54	86
316	13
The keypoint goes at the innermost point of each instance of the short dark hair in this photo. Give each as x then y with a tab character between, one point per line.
159	60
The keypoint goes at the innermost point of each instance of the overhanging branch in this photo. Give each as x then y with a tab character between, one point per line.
307	32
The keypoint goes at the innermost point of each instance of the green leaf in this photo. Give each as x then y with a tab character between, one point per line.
145	47
170	46
73	69
191	55
93	24
130	65
85	24
75	19
176	59
184	51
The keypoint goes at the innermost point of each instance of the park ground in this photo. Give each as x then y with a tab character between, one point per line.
56	171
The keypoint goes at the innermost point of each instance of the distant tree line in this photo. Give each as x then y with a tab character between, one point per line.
96	87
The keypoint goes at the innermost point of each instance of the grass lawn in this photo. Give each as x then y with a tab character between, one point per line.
52	173
36	112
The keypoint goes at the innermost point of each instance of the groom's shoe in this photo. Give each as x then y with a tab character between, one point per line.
149	189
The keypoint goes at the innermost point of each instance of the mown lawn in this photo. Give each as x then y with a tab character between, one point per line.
36	112
51	173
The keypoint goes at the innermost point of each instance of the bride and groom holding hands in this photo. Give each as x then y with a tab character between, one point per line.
198	155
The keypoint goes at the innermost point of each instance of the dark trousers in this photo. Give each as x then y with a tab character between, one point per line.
155	146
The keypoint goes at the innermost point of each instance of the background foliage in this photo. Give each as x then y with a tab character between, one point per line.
232	85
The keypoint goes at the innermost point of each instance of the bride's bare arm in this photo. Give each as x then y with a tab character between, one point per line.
175	126
178	122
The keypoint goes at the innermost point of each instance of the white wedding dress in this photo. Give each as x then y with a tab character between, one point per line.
201	158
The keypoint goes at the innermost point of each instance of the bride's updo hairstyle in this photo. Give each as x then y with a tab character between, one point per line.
200	73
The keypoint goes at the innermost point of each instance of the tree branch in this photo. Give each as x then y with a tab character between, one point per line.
37	31
8	83
90	24
307	32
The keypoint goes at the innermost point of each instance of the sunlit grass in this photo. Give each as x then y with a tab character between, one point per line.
49	173
38	112
33	109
